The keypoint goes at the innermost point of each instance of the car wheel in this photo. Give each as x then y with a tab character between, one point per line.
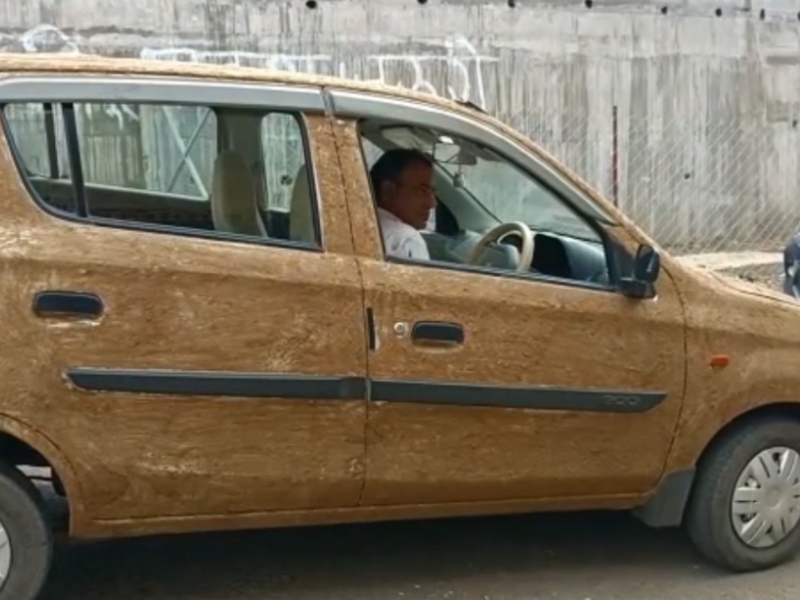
25	537
744	510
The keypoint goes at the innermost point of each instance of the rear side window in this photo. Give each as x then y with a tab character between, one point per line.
198	170
161	149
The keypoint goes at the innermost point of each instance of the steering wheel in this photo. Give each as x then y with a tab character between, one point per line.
525	253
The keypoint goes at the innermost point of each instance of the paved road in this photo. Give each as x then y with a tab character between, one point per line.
584	556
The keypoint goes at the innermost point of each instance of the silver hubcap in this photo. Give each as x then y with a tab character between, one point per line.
766	499
5	555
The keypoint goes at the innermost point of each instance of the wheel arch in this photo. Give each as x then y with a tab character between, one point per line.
789	410
21	441
666	507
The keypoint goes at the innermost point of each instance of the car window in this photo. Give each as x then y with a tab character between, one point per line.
511	194
284	155
168	149
36	129
477	189
371	152
164	167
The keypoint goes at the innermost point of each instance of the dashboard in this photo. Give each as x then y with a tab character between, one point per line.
554	255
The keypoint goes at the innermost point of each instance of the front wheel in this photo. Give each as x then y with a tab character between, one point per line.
744	510
25	538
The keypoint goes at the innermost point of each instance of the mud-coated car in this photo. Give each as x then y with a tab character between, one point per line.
202	329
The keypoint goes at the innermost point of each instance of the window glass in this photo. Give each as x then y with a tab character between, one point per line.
162	167
510	194
28	124
371	152
284	155
477	189
168	149
287	194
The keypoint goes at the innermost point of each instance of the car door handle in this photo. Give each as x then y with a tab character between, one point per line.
66	304
437	332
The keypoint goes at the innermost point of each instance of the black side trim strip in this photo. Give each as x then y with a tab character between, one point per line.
256	385
542	398
220	383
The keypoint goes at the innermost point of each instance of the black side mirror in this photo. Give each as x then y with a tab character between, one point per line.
646	267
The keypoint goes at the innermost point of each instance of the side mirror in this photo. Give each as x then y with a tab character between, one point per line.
646	267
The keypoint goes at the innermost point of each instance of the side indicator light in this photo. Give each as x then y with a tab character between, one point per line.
720	360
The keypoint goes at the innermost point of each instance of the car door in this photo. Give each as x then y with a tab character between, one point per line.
490	385
188	362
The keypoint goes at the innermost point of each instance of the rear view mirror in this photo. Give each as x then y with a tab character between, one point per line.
646	267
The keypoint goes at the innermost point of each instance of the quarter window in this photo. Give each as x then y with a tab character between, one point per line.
215	171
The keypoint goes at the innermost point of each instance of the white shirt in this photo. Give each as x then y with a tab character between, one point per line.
400	239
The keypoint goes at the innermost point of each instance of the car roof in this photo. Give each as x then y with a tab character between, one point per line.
79	64
66	63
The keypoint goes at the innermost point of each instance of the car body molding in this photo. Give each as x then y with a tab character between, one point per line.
298	386
534	397
218	383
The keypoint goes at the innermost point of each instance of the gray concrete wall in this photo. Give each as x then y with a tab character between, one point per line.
707	105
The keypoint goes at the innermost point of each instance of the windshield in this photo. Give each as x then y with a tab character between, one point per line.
510	194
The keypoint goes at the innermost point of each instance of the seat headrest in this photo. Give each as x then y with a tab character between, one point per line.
233	197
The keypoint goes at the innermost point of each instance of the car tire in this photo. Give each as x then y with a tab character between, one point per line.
732	470
24	526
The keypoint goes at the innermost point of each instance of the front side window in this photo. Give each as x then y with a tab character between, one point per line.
487	212
510	194
192	169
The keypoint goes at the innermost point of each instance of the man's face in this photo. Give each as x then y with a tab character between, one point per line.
411	197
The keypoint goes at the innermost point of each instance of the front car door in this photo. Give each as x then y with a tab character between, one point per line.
189	354
550	385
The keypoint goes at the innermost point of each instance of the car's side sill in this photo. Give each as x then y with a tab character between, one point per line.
85	527
269	385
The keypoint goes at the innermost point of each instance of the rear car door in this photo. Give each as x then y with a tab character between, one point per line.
488	384
191	352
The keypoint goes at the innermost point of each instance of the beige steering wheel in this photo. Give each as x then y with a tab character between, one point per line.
517	227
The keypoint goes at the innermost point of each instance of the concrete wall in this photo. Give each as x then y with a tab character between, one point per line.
705	92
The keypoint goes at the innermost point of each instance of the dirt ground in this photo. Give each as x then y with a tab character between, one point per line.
769	275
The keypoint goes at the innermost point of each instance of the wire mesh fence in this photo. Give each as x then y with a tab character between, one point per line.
697	185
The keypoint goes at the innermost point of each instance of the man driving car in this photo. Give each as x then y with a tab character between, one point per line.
402	182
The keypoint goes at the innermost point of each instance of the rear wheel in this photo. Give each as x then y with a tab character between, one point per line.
744	511
25	538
